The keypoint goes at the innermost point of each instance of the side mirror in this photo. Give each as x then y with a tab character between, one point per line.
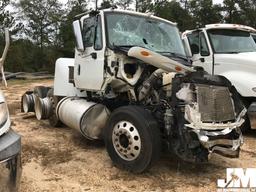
78	35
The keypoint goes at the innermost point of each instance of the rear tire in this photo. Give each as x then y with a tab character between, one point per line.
53	119
41	91
132	139
247	124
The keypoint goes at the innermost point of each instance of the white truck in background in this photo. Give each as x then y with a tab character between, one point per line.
228	50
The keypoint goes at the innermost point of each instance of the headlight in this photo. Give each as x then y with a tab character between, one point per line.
254	89
3	114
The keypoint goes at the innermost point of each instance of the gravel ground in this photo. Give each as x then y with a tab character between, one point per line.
61	160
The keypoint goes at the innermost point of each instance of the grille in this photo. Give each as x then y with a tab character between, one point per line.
215	103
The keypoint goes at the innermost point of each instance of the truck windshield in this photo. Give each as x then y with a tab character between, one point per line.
129	30
231	41
254	37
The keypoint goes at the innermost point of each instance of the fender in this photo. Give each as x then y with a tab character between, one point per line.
5	128
62	86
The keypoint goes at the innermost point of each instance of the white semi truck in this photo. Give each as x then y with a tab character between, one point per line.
132	85
10	142
228	50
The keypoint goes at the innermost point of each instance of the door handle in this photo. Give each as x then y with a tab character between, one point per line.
79	70
94	55
216	63
202	60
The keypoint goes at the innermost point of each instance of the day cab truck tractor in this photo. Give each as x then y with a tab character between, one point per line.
228	50
10	142
132	85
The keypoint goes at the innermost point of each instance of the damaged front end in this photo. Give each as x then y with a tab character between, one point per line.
208	115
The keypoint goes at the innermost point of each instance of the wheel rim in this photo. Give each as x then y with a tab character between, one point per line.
126	140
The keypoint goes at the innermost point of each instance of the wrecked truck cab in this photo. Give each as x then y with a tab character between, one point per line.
131	85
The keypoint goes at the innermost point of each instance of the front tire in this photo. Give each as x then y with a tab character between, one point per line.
246	127
132	139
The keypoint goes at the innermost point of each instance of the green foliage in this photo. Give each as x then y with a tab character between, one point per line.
43	18
66	35
174	12
232	14
247	12
106	4
143	5
6	18
204	12
124	4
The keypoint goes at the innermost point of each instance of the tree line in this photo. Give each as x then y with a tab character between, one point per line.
42	29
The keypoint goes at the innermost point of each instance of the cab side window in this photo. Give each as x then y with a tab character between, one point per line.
89	31
98	38
194	42
204	50
92	32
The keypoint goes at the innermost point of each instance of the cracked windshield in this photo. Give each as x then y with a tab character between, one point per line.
129	30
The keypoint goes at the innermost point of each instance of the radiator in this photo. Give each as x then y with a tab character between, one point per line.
215	103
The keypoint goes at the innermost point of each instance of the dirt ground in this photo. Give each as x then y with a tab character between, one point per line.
60	159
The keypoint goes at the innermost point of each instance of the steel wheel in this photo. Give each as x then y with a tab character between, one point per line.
126	140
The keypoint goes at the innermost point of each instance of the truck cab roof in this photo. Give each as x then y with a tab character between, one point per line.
224	26
111	10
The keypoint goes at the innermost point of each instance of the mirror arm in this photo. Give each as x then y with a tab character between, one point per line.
4	55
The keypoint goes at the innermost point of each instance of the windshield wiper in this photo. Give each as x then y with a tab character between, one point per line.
128	46
174	55
125	47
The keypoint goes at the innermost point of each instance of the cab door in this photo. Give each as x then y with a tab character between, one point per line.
201	54
89	63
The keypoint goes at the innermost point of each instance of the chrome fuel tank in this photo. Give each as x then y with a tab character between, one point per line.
87	117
